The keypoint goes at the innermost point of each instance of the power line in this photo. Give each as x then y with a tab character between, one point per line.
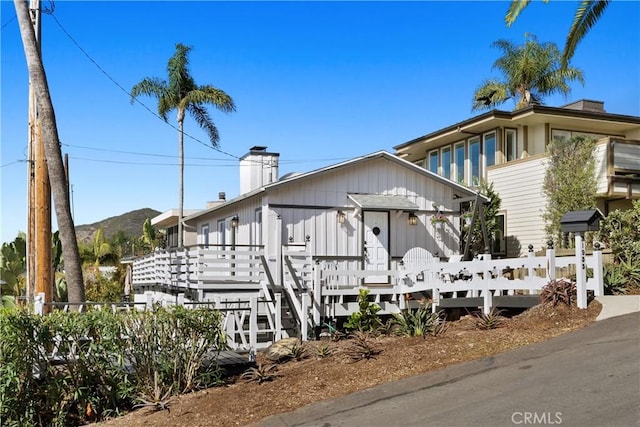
8	22
12	163
129	94
137	153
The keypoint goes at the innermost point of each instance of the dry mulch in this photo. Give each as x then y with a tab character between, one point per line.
299	383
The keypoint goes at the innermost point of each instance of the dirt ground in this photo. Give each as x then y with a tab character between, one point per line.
298	383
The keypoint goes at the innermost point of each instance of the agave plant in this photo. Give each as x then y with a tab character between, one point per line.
491	320
419	323
260	373
558	291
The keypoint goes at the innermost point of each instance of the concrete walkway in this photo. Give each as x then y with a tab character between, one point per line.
618	305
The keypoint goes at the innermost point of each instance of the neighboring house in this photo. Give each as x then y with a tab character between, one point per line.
508	149
168	221
370	210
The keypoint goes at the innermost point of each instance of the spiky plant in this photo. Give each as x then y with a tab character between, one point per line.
323	350
260	374
361	347
419	323
558	291
491	320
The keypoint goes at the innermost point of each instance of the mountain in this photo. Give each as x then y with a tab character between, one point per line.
130	223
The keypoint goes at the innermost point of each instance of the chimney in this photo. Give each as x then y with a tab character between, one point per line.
586	105
222	197
258	168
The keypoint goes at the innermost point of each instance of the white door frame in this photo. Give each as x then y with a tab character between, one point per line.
375	244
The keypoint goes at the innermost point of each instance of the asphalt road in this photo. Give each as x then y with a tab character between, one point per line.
586	378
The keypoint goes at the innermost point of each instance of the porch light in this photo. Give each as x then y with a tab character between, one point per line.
413	219
235	221
341	217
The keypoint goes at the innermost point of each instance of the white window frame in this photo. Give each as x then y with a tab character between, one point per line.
442	164
204	234
472	141
513	144
437	156
455	172
484	155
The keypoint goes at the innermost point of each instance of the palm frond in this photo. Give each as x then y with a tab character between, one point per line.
587	14
201	116
515	8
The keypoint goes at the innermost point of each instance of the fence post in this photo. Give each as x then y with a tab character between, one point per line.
149	299
597	270
279	243
278	317
487	276
38	303
531	273
253	323
581	270
180	299
304	321
317	295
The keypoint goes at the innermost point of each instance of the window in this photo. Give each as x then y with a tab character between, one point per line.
498	240
445	168
204	235
567	134
489	151
433	161
458	162
510	145
222	234
474	161
257	227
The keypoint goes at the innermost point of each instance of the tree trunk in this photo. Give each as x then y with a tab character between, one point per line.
55	165
181	178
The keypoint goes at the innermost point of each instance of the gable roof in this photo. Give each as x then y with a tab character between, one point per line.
460	190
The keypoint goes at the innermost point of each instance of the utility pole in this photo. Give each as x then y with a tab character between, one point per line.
39	262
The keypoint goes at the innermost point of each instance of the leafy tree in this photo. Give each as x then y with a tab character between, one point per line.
13	263
55	166
587	15
182	94
620	231
570	181
530	72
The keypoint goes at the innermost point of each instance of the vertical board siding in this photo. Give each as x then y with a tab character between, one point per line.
602	180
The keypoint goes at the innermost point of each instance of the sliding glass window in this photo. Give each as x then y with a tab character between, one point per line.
433	161
510	145
474	161
445	167
489	151
458	162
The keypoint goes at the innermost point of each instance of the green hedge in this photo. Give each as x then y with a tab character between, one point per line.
126	358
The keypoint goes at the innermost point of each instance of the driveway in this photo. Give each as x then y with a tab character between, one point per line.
586	378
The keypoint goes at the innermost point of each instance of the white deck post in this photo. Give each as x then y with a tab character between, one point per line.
278	317
304	326
253	323
149	299
317	295
581	272
279	243
38	303
488	296
531	272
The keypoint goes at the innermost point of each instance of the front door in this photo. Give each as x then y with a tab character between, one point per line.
376	245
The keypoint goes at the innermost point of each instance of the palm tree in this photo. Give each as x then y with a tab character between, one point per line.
55	166
531	72
587	14
182	94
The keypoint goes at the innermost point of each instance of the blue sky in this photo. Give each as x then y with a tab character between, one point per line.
318	82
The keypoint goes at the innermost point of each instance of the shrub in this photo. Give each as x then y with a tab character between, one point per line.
558	291
360	347
419	323
491	320
260	373
103	362
366	319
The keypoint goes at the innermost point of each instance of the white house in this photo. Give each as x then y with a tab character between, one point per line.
508	149
369	210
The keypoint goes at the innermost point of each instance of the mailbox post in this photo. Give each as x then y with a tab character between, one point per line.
578	222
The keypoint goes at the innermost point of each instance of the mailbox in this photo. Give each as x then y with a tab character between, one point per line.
581	221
